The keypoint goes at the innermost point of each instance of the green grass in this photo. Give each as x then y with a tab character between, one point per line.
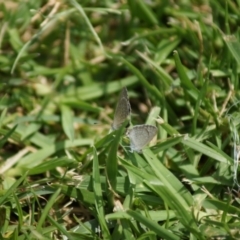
64	174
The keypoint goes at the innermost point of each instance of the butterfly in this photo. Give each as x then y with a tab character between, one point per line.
122	111
140	136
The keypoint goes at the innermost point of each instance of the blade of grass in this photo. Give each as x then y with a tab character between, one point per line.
31	129
51	164
202	148
152	89
112	165
185	81
36	158
67	121
155	227
168	187
53	21
200	99
99	204
60	228
141	10
19	211
12	188
165	77
46	210
83	195
233	45
82	12
2	117
7	135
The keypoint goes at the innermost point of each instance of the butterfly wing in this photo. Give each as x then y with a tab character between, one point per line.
122	111
140	136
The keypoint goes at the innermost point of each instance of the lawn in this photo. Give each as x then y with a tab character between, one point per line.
76	79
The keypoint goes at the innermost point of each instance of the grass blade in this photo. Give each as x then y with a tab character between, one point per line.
67	122
98	197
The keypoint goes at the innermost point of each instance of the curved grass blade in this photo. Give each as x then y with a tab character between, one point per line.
7	135
46	210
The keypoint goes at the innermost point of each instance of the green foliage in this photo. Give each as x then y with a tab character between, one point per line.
65	174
